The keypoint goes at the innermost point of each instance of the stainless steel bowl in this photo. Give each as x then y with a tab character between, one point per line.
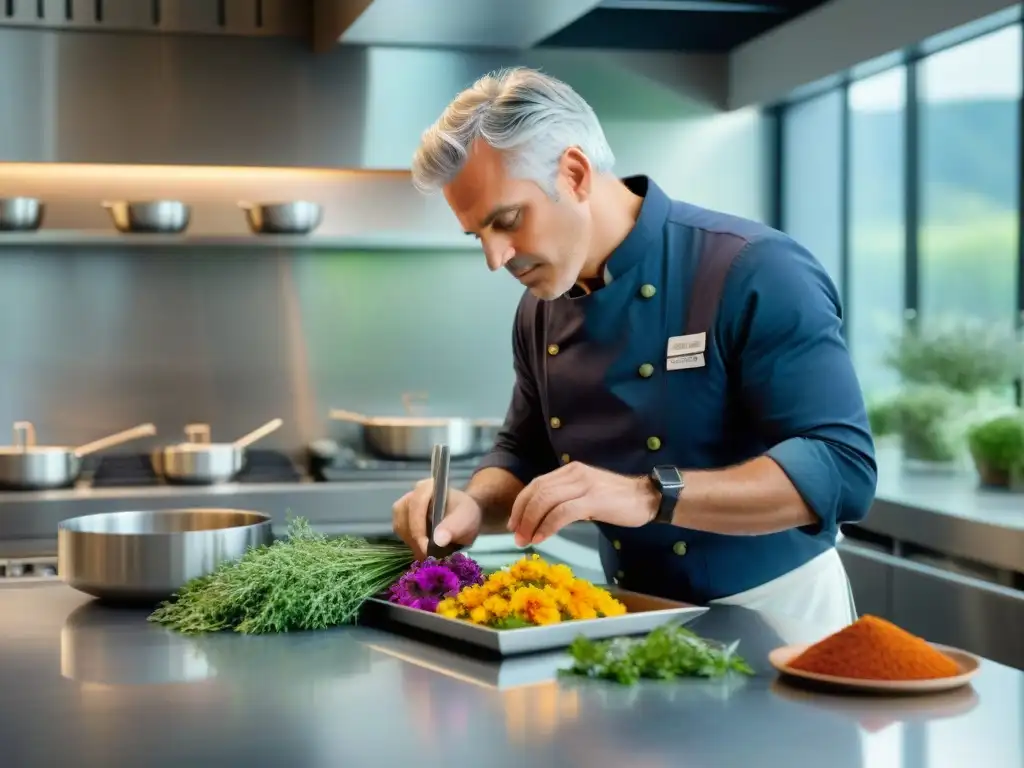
145	557
295	218
168	216
21	214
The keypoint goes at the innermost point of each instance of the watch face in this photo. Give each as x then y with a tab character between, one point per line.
668	476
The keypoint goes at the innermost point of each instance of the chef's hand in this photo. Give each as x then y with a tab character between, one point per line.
461	524
580	492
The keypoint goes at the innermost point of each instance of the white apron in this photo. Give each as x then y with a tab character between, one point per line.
817	593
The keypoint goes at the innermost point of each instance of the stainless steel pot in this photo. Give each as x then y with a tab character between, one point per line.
21	214
200	462
144	557
169	216
414	437
26	466
299	217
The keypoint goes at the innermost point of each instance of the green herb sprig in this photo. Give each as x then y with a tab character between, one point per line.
666	653
306	581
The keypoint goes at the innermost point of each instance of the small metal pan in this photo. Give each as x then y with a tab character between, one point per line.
26	466
200	462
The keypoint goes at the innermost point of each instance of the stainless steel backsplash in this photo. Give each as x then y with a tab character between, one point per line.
100	339
97	338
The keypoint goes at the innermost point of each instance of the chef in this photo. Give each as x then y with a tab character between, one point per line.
681	377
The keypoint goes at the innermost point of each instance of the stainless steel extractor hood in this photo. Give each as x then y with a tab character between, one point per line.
255	18
324	23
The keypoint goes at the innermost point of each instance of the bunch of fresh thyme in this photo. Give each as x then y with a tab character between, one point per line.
304	582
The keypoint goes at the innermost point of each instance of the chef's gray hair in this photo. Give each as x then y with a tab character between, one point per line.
530	117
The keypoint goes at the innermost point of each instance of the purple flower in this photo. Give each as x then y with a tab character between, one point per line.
429	581
436	580
466	569
424	586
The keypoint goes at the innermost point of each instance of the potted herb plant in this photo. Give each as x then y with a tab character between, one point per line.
923	417
997	447
947	371
965	358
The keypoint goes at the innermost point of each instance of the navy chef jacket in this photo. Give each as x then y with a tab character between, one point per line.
593	385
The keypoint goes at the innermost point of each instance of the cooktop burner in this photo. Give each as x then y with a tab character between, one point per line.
134	470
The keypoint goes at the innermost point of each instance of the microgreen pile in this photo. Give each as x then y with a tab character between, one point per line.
305	581
666	653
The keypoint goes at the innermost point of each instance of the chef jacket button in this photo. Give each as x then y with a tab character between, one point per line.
565	458
552	349
555	422
647	290
620	575
646	370
653	443
679	548
617	544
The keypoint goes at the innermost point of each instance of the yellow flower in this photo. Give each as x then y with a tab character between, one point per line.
449	608
560	575
479	615
608	605
498	606
559	595
533	605
529	569
472	596
498	581
581	610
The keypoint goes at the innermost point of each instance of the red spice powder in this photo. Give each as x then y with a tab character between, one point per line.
873	649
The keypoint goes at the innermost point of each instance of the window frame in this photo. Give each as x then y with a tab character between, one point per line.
909	58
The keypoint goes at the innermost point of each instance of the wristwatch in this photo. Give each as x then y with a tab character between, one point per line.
667	481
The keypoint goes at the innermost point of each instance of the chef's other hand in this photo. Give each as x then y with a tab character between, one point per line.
580	492
461	523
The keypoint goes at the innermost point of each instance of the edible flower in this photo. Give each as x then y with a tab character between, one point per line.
529	593
429	581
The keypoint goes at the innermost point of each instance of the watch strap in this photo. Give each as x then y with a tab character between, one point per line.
669	483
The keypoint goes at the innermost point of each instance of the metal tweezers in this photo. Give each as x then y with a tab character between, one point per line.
440	461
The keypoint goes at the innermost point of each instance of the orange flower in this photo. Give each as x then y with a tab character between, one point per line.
535	606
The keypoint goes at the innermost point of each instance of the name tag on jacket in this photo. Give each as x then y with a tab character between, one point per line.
687	345
686	351
682	362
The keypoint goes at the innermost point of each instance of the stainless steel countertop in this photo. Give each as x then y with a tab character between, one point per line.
88	686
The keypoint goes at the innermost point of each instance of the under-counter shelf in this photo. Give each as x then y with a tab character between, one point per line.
370	241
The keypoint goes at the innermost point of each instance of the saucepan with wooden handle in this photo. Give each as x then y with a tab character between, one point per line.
26	466
201	462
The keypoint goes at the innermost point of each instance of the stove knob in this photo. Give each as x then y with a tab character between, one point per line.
47	570
15	569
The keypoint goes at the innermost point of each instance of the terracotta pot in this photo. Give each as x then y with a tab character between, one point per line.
991	477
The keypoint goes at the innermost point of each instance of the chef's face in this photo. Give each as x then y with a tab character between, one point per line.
542	240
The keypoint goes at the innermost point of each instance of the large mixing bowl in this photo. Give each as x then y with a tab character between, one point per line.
145	557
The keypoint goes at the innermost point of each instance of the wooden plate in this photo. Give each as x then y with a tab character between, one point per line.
968	663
